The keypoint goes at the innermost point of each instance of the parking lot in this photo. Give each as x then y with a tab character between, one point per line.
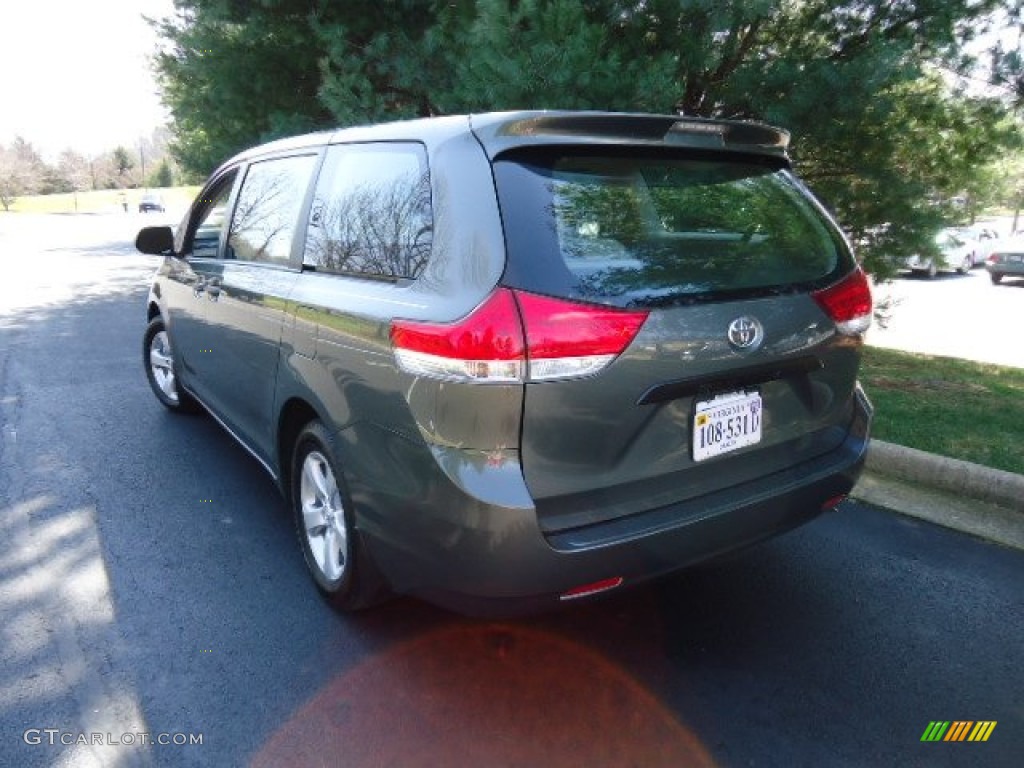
954	315
151	585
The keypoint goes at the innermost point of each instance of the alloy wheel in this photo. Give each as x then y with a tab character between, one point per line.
323	516
161	364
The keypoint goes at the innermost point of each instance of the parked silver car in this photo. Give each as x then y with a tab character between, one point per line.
511	360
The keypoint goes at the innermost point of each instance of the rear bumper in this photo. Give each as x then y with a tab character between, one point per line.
476	557
1010	268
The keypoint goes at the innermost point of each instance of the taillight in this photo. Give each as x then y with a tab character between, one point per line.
565	339
993	258
515	336
848	303
486	345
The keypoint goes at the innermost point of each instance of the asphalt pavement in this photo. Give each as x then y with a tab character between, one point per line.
151	587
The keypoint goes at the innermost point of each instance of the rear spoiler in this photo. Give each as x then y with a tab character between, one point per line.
500	132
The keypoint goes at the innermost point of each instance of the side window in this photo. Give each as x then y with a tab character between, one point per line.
211	218
371	213
267	209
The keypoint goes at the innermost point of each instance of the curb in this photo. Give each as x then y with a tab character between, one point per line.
962	478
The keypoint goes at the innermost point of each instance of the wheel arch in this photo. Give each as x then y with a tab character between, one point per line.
295	414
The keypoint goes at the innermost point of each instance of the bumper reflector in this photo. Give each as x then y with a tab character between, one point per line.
591	589
834	502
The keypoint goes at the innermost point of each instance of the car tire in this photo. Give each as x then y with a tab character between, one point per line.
995	277
965	265
161	369
325	525
932	270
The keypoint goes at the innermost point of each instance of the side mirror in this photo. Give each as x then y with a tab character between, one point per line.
158	241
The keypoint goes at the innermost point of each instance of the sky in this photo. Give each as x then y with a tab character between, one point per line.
73	73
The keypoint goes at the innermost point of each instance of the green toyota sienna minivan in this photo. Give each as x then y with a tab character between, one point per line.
505	361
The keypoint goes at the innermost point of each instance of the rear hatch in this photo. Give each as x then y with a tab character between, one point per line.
740	306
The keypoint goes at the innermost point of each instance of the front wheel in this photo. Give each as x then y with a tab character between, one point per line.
965	265
325	525
161	371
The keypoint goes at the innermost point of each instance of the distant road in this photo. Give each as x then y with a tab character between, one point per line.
47	259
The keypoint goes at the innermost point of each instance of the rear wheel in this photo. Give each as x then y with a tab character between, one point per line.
325	525
995	277
965	265
161	371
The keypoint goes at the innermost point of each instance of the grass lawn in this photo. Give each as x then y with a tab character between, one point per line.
956	408
102	200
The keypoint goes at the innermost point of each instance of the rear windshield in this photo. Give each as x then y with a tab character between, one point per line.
653	230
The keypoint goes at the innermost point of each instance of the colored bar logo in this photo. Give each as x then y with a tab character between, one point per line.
958	730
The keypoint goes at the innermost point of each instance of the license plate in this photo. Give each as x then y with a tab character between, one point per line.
726	423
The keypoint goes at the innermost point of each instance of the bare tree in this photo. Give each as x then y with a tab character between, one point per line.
21	171
73	171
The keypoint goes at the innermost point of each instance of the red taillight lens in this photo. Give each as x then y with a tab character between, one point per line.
566	339
848	303
486	345
513	336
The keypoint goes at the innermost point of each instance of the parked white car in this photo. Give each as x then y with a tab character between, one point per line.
958	253
985	238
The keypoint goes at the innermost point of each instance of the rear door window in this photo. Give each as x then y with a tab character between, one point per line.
267	210
661	229
371	213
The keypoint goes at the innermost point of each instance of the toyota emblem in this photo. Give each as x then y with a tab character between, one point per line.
745	333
